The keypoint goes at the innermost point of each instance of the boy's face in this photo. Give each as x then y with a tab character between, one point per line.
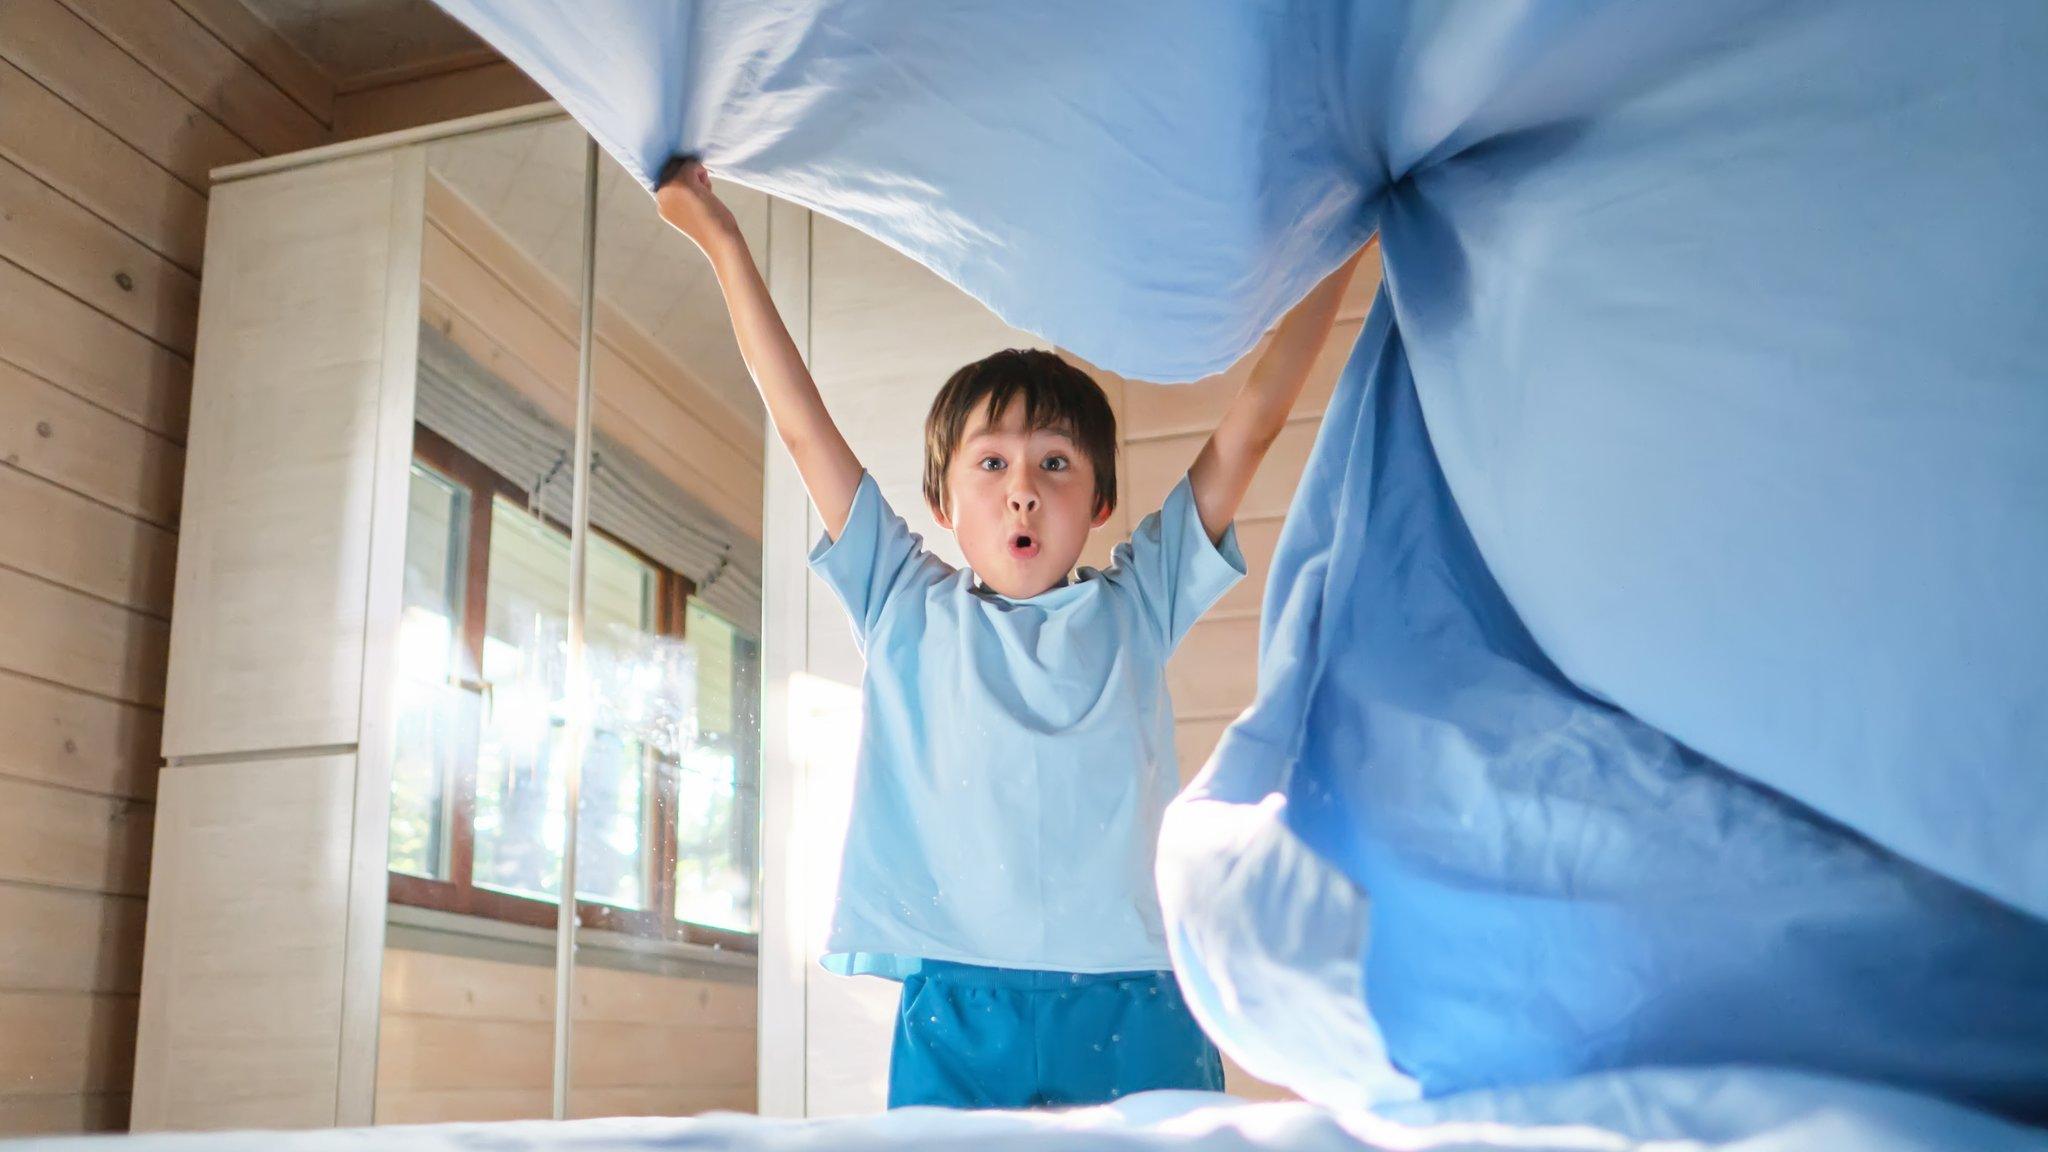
1022	502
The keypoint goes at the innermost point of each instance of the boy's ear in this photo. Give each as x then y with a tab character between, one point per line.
1102	513
939	514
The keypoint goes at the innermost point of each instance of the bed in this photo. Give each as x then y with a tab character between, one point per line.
1751	1110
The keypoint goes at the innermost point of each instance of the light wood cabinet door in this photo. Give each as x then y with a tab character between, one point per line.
308	334
243	953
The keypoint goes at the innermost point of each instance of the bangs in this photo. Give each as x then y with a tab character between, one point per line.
1045	409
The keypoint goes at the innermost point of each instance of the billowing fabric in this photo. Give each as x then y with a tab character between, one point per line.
1015	756
974	1037
1655	662
1634	903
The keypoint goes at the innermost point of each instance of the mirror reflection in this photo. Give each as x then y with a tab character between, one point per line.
663	1007
666	854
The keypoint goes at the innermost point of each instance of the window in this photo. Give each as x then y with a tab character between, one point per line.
717	798
665	839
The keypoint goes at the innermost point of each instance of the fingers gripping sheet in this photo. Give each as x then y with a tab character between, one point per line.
1655	664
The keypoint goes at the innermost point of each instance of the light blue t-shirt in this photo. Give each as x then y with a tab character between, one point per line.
1015	755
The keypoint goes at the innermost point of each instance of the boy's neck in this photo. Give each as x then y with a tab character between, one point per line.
982	587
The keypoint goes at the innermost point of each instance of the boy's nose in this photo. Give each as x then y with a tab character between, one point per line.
1023	500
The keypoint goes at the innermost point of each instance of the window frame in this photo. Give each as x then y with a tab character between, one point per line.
459	894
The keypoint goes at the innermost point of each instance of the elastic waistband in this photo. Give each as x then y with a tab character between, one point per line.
1029	979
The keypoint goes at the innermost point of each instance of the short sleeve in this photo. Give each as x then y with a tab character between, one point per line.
1171	566
875	559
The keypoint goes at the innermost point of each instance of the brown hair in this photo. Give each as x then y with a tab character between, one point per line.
1055	394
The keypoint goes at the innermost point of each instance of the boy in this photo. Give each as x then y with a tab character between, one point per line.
1016	751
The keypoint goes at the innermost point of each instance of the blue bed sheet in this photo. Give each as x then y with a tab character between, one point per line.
1655	662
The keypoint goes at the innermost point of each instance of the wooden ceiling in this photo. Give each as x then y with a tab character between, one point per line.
364	43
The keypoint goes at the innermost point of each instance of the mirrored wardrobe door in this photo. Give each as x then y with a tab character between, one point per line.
663	991
483	746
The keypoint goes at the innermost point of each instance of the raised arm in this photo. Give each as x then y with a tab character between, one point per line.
830	471
1224	469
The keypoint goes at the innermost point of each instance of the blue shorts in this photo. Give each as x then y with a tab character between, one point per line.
974	1037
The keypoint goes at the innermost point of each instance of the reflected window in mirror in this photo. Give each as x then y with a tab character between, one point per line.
666	846
718	785
436	540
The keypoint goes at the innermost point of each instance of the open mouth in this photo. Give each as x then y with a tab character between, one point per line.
1023	546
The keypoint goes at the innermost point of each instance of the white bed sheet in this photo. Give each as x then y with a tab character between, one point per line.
1749	1110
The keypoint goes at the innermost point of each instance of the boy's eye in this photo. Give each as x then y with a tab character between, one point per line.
990	463
1056	464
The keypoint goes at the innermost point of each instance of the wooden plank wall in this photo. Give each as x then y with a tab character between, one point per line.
467	1038
111	114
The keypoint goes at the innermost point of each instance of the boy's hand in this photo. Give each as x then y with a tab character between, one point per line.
686	201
